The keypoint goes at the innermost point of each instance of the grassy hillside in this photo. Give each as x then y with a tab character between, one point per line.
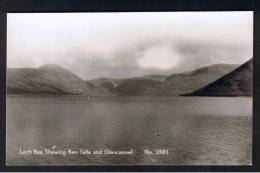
48	79
175	84
54	79
189	81
236	83
129	86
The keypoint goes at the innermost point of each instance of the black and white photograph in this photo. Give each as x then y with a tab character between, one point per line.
129	88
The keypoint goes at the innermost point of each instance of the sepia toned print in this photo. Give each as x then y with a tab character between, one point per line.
136	88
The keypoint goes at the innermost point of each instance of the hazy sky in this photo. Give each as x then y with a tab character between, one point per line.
121	45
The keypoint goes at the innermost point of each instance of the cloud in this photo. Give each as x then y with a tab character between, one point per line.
161	57
129	44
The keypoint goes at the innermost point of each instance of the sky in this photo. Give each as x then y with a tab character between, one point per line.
129	44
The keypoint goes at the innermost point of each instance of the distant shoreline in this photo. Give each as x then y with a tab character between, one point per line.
154	96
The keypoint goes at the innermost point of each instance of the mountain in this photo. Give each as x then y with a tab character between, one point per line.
157	78
236	83
48	79
177	84
135	87
106	83
54	79
129	86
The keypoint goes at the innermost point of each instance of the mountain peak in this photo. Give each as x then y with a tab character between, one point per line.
48	79
51	66
54	68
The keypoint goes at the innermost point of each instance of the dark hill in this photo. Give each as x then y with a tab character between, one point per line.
236	83
177	84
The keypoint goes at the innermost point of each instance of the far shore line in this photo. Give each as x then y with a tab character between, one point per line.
120	96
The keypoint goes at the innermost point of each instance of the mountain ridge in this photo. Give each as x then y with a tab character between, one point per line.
48	79
239	82
54	79
180	83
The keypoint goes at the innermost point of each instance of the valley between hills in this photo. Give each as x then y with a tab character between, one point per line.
214	80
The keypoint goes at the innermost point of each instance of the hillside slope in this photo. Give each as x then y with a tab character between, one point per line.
129	86
177	84
236	83
135	87
48	79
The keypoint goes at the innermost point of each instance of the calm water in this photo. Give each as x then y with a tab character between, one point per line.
194	130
